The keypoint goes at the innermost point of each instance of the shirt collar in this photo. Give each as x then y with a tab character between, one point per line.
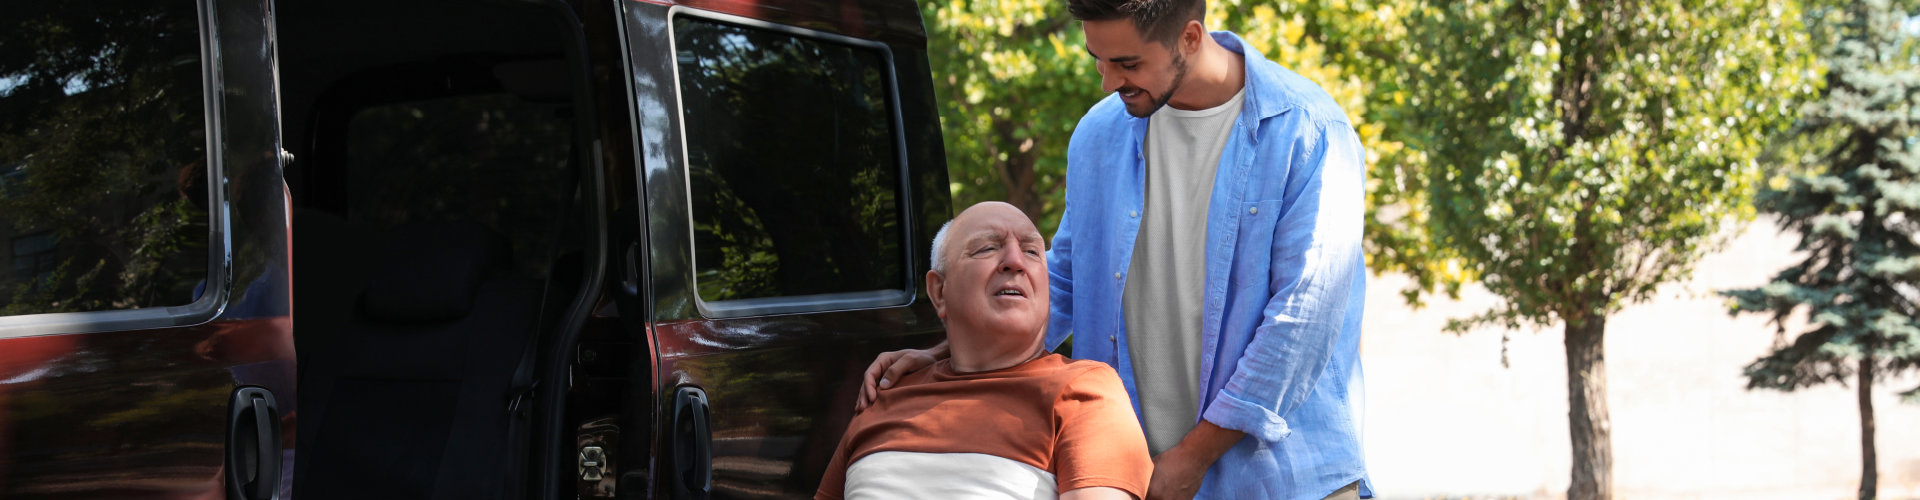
1262	85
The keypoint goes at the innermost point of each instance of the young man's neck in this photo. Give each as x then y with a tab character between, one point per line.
1214	75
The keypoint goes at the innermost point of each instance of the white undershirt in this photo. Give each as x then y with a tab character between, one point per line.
1166	282
889	475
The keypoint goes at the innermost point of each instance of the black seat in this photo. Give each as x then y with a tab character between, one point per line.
329	271
409	401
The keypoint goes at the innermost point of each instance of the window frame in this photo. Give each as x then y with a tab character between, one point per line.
903	202
214	298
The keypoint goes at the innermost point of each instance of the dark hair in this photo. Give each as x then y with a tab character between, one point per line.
1157	20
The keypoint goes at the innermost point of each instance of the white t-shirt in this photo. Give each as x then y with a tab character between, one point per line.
1165	288
889	475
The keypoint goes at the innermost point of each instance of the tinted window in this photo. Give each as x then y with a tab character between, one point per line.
102	156
491	158
792	164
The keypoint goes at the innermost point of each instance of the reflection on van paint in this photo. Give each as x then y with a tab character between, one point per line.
145	405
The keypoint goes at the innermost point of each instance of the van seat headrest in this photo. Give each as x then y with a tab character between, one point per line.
430	272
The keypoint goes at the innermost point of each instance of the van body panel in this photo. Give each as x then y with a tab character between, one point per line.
137	414
134	403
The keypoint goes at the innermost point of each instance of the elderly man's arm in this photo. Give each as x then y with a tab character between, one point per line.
1100	443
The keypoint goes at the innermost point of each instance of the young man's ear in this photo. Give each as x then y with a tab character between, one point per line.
1190	37
937	291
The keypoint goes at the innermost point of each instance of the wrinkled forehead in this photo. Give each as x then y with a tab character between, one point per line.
992	234
996	223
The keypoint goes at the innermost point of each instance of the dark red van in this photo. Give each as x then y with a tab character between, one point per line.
439	249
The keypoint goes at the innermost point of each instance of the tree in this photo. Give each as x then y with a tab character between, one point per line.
1351	49
1012	79
1579	154
1856	207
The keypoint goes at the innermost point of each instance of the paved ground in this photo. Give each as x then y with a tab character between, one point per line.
1446	420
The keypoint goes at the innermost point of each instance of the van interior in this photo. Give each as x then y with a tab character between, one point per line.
443	206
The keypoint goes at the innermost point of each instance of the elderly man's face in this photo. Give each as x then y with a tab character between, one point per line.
996	277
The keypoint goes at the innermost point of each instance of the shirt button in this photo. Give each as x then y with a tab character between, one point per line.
1135	213
1116	275
1253	210
1113	339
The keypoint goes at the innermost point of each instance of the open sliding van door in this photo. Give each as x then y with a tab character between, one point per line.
145	324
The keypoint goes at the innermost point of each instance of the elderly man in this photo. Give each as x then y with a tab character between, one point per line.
1001	417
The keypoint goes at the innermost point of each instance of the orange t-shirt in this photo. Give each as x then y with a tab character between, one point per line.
1068	418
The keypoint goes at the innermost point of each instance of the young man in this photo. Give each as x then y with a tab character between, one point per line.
1001	417
1210	251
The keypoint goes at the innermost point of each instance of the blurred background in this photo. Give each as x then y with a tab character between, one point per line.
1445	419
1665	246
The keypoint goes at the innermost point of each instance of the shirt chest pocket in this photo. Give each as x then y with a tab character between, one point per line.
1253	250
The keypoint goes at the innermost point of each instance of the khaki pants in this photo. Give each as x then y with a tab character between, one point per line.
1349	492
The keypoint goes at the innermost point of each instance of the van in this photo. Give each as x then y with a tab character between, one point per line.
427	249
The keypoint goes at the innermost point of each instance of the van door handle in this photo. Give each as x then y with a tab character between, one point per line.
253	445
692	445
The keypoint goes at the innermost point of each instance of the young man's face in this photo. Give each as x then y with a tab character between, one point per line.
1145	73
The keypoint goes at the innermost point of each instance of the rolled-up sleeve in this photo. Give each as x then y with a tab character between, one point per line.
1316	260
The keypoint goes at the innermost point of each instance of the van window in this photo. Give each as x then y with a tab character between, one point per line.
103	165
794	167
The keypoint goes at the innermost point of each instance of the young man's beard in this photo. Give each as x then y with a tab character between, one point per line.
1160	100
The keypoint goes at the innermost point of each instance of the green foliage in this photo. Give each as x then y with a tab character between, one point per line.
1577	155
44	295
1351	49
1853	200
163	236
1012	78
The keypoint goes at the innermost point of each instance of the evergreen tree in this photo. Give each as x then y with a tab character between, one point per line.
1856	205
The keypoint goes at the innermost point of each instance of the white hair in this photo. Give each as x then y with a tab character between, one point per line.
940	249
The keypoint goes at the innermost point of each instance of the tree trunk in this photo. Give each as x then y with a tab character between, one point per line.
1869	470
1017	175
1591	430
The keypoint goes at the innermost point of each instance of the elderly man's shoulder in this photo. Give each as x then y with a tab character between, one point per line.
1051	374
1086	367
1089	376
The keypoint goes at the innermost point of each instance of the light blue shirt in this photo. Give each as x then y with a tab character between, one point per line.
1285	284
